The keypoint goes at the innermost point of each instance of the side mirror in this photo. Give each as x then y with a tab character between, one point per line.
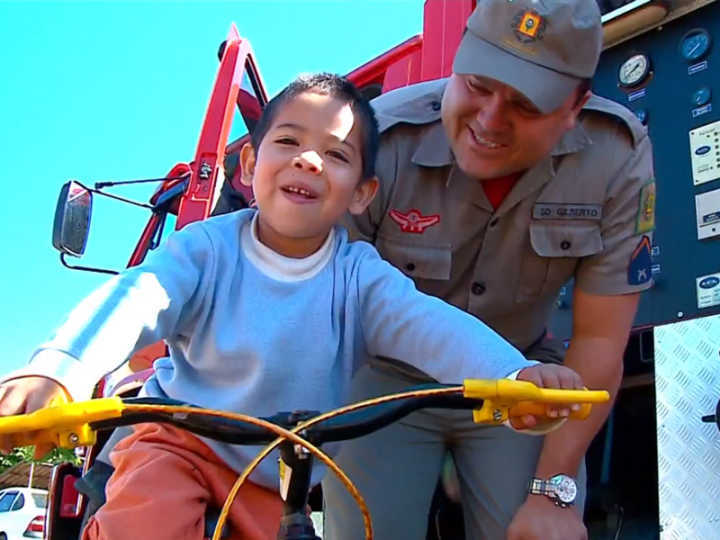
72	219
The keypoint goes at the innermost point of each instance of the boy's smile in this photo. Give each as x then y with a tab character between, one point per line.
307	173
299	193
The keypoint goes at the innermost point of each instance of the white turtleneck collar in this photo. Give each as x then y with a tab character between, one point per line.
280	267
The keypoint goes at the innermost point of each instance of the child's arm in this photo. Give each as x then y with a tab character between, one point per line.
401	323
142	305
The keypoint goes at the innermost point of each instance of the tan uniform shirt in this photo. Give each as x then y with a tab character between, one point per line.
586	211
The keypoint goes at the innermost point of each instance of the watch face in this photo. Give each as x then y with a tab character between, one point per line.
565	488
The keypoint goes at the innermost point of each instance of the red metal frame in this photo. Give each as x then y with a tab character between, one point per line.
196	203
443	26
423	57
143	245
374	71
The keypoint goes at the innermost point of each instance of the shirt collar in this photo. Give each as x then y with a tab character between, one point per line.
279	267
434	148
572	141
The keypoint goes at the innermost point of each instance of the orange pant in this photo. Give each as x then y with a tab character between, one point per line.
164	480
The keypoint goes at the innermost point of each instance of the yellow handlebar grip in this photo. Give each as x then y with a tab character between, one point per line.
62	425
502	395
539	409
515	391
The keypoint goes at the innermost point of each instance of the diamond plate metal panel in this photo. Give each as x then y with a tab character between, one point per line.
687	386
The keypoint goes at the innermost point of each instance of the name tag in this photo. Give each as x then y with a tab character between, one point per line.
567	211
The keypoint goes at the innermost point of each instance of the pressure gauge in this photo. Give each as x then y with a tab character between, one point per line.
701	96
695	44
634	70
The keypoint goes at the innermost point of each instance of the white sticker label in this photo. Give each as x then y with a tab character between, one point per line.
705	153
708	290
285	473
707	208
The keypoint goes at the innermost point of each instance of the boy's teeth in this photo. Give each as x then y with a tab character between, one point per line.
301	191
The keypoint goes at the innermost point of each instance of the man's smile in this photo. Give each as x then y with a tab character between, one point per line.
484	142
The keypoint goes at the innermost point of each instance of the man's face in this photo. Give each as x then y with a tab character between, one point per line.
494	130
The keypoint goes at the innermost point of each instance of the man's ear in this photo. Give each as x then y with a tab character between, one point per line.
247	164
577	107
363	195
582	100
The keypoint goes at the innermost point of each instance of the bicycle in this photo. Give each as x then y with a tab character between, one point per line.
298	434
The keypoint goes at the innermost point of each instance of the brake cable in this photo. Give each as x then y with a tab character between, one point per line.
338	471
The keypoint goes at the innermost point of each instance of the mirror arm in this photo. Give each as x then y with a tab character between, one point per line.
99	185
123	199
86	268
118	197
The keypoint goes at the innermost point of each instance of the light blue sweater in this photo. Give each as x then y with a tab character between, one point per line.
254	332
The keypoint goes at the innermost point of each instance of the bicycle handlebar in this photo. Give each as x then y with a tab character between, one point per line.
493	402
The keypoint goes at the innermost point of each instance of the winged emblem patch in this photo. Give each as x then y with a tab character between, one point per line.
413	221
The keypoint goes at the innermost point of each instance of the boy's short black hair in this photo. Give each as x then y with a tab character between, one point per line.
334	86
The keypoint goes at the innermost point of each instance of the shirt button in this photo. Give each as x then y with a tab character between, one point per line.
565	244
435	105
410	267
493	223
478	288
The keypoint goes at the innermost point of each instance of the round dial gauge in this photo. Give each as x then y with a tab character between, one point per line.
701	96
695	44
634	70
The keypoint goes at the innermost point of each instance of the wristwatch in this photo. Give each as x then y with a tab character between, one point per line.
561	488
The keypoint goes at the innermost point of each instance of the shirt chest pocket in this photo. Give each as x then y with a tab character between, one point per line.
418	262
553	256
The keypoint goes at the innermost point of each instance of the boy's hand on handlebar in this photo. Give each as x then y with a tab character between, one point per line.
549	376
26	395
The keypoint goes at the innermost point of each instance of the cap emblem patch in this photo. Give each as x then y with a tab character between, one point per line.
528	26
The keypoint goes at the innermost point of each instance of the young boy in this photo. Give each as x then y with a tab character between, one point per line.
263	310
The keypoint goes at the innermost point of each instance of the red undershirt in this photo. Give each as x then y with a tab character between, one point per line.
496	189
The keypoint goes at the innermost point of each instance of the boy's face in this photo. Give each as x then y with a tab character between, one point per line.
307	173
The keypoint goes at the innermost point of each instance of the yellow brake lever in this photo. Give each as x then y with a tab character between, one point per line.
505	398
64	425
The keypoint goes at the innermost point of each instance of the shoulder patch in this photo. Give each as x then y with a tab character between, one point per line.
646	213
622	114
414	104
639	270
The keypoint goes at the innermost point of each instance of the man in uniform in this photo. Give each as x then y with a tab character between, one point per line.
498	185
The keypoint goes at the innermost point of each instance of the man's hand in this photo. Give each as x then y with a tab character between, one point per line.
549	376
540	519
25	395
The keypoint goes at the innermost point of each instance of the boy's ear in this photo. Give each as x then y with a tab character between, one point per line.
364	194
247	164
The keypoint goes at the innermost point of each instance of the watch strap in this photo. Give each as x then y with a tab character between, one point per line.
538	486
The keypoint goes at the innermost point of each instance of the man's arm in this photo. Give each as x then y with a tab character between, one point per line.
601	325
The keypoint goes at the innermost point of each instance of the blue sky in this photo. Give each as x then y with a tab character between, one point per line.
118	90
